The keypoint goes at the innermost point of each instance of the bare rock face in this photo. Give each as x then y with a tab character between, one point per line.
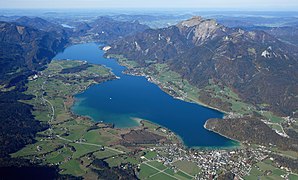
200	30
196	20
20	29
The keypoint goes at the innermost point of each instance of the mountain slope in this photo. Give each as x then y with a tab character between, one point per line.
105	29
258	67
40	24
23	51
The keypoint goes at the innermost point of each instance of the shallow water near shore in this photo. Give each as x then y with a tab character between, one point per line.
121	101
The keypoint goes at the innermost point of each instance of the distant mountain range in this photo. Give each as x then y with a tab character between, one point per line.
287	34
28	43
254	63
257	66
105	29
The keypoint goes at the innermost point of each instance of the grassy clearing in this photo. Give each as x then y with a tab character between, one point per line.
124	61
273	118
276	127
150	154
293	177
265	170
170	171
77	130
114	161
226	94
104	154
59	156
182	175
146	171
72	167
166	173
39	148
178	175
150	125
117	160
254	174
264	167
132	160
82	149
160	176
174	80
157	165
188	167
96	136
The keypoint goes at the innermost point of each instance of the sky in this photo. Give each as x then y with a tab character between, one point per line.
199	4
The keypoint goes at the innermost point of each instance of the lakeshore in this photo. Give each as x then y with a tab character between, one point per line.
70	138
76	143
133	96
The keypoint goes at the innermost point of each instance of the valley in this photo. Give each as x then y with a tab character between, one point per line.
85	119
86	148
78	145
71	140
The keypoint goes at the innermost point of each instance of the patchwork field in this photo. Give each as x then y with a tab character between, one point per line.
73	142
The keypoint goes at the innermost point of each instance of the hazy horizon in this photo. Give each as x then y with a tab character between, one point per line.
266	5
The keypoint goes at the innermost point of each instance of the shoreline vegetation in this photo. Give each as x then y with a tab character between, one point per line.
156	75
160	85
236	142
73	139
84	148
132	68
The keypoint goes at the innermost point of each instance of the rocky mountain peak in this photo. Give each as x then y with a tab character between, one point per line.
198	29
200	49
195	20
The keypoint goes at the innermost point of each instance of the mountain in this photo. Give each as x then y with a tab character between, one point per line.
286	33
23	51
102	29
27	46
106	29
283	28
251	130
255	65
8	18
38	23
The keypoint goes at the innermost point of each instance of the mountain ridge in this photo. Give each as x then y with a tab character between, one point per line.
257	66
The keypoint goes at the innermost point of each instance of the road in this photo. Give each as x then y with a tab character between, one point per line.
160	171
77	142
91	144
163	171
98	145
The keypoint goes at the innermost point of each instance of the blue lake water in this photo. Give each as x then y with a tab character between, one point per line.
119	101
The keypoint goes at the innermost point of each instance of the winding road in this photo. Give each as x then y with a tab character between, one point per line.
58	136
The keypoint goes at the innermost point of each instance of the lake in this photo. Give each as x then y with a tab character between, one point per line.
120	101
